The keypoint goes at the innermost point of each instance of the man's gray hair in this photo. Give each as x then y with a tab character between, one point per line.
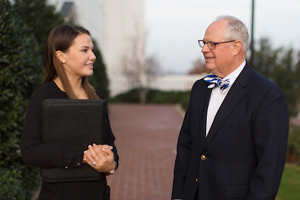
236	30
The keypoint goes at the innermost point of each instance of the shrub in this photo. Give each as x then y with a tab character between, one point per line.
99	78
155	96
294	144
174	97
20	72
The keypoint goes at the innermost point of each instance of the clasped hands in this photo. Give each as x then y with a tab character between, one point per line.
99	157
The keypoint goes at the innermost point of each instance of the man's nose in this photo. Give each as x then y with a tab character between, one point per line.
205	48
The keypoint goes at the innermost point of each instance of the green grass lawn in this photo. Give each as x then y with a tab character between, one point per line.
290	184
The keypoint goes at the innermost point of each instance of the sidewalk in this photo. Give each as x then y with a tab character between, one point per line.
146	137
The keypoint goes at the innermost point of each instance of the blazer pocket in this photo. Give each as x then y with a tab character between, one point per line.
237	191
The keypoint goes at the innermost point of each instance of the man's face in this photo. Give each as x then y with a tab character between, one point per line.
220	59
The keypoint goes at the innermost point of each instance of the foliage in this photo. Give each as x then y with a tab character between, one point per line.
40	18
11	185
290	183
198	67
174	97
294	144
20	72
132	96
99	78
282	66
155	97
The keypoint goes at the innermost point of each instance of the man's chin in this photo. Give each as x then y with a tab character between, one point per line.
210	67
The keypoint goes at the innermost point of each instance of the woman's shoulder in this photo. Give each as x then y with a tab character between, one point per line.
48	90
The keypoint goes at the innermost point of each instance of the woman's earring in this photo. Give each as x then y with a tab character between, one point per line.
64	62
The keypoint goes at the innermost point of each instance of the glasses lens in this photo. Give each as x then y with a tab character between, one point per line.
201	43
211	45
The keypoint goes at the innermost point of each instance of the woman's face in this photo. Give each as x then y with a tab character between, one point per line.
79	58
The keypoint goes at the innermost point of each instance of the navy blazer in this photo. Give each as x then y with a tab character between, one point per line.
244	154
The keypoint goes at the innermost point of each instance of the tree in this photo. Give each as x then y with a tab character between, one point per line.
99	78
138	69
20	60
40	18
198	67
139	75
133	60
282	66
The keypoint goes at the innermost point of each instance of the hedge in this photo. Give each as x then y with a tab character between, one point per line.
20	73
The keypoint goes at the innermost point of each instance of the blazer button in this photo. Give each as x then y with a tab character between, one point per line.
203	157
196	180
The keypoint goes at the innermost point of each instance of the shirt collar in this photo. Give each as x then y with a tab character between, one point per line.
233	75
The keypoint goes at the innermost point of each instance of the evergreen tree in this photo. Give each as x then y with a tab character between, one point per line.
282	66
40	18
20	61
99	78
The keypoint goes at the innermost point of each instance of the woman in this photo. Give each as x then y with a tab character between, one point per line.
70	58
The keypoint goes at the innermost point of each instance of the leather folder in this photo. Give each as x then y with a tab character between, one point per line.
72	125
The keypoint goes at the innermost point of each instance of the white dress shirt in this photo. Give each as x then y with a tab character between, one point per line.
217	97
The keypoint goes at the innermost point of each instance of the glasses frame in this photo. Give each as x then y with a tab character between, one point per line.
210	43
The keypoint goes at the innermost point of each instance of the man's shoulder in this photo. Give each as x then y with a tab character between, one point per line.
200	83
259	79
260	83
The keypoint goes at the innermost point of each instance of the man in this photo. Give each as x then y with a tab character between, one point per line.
233	140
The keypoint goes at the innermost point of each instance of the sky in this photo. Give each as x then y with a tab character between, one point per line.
174	26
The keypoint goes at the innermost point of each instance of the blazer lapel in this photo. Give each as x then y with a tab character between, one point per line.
203	113
234	96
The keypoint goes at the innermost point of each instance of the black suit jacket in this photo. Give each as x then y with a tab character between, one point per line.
244	154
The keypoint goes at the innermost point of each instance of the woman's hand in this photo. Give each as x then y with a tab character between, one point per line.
100	157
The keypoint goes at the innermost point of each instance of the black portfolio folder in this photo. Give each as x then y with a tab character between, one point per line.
72	125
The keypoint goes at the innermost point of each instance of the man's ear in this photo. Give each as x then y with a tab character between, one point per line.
60	56
237	47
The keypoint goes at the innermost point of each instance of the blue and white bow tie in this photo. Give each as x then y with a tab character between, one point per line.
215	81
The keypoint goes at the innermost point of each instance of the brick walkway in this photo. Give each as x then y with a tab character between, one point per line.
146	141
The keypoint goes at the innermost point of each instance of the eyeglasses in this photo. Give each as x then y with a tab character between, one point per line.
211	45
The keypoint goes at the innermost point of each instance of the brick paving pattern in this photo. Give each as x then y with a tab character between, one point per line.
146	141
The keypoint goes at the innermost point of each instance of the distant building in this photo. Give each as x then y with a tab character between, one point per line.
69	13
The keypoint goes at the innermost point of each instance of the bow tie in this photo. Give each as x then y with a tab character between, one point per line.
215	81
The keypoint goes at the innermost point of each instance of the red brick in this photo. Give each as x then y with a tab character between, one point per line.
146	137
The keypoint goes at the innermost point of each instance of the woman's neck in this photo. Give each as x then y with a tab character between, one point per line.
76	85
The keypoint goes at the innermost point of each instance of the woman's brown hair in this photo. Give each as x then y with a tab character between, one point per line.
60	39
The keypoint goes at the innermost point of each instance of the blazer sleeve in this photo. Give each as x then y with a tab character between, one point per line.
184	148
270	133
